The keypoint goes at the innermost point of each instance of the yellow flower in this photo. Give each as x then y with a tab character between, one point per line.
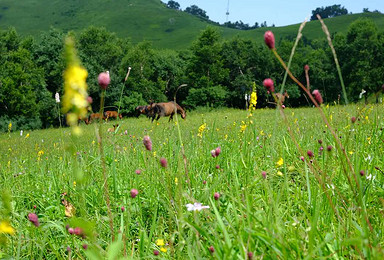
279	173
27	136
176	181
163	249
6	228
9	127
201	130
253	100
280	162
160	242
74	184
243	126
262	132
75	103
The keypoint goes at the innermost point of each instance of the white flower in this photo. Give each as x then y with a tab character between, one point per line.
370	177
57	97
196	207
21	132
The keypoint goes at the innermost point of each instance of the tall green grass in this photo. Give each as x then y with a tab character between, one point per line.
287	215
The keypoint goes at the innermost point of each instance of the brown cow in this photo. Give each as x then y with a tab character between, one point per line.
282	96
165	109
112	114
95	116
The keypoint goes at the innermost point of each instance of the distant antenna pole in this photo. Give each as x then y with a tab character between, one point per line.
227	13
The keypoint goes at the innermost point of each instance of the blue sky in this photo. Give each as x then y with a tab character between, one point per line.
278	12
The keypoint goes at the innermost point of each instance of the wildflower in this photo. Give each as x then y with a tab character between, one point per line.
6	228
213	153
21	132
218	151
264	174
27	136
71	231
160	242
89	100
279	173
163	249
306	67
329	148
78	231
268	84
155	252
217	166
280	162
68	249
316	93
321	148
211	249
201	130
163	162
362	173
310	154
75	103
122	208
302	158
269	39
320	141
138	171
134	193
147	143
176	181
216	196
34	219
353	119
9	126
57	97
253	100
104	79
85	246
243	127
204	182
196	207
250	255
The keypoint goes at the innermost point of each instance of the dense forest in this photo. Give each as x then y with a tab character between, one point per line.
217	72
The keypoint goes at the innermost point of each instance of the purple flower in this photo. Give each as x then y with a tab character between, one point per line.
71	231
320	141
353	119
217	166
134	193
218	151
85	246
122	209
104	79
316	93
268	84
250	255
34	219
138	171
310	154
216	196
156	252
264	174
213	153
163	162
306	67
147	143
269	39
211	249
302	158
329	148
362	173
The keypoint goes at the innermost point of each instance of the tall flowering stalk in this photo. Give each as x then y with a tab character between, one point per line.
75	103
57	99
253	100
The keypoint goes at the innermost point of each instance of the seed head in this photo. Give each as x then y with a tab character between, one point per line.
320	141
104	79
316	93
268	84
134	193
269	39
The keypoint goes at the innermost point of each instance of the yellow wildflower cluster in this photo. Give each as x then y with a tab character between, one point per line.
75	102
243	126
160	243
253	100
201	130
39	154
6	228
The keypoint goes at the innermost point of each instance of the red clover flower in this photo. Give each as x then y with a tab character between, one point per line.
269	39
104	79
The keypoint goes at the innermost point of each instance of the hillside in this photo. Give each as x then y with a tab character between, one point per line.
139	20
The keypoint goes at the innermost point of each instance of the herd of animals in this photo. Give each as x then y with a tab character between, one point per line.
153	110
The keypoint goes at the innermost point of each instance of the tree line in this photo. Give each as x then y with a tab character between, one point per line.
218	72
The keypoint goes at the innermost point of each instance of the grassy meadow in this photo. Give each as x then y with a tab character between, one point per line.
310	207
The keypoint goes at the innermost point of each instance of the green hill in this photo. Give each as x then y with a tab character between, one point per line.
139	20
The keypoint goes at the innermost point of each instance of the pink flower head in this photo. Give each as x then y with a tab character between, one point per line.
134	193
218	151
85	246
213	153
302	158
264	174
211	249
34	219
320	141
329	148
283	106
122	208
89	99
104	79
269	39
204	182
138	171
310	154
71	231
250	255
353	119
268	84
217	166
78	231
156	252
216	196
306	67
147	143
317	95
362	173
163	162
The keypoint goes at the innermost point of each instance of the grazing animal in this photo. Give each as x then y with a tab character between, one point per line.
95	116
141	110
112	114
112	129
282	96
165	109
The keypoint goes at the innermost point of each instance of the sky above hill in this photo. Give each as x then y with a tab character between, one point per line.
278	12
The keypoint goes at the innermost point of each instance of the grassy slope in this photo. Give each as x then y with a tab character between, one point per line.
139	20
